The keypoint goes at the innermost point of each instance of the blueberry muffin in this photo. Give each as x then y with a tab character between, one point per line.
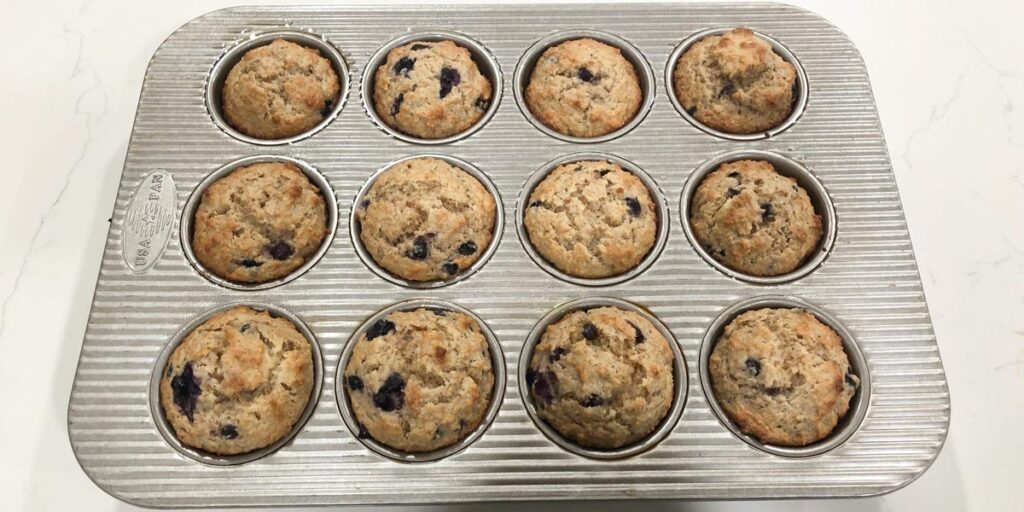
424	219
754	220
591	219
735	83
279	90
603	378
430	89
420	380
782	376
259	223
238	382
583	88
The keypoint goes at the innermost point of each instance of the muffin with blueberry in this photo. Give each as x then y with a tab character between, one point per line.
279	90
735	83
430	89
425	219
238	382
420	380
782	376
602	378
259	223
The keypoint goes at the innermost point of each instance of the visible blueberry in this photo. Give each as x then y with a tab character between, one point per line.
245	327
281	250
605	172
449	78
326	110
438	311
592	401
753	366
848	378
363	433
557	354
767	211
365	204
531	376
391	395
727	90
397	104
249	263
795	90
185	387
354	382
450	267
419	249
467	248
734	175
482	103
404	65
419	46
638	335
731	192
535	204
542	385
589	331
634	206
229	432
772	391
585	75
380	328
692	110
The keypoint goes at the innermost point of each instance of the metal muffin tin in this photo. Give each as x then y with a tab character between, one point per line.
867	284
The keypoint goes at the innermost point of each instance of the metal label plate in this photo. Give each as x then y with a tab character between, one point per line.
148	221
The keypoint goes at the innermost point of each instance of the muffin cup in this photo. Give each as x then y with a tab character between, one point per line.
497	392
189	212
219	72
656	195
847	425
817	192
799	100
483	58
680	379
499	224
632	54
167	431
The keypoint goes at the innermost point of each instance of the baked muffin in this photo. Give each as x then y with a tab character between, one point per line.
782	376
420	380
279	90
238	382
591	219
602	378
425	219
735	83
583	88
259	223
430	89
754	220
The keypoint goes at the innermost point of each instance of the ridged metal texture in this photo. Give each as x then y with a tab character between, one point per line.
870	280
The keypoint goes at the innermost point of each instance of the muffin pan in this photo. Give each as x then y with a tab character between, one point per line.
863	281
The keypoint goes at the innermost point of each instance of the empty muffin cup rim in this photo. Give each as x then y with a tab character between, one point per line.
481	55
799	102
497	391
846	426
212	89
658	196
819	195
680	377
644	73
187	221
210	459
355	227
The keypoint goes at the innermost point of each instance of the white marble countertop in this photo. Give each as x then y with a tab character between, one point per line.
949	81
